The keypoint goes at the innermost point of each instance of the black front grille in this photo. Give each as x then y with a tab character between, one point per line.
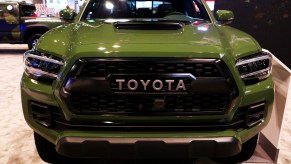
106	67
166	105
91	87
57	121
52	117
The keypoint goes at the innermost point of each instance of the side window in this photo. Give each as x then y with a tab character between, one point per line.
199	13
92	12
197	10
164	8
196	7
27	10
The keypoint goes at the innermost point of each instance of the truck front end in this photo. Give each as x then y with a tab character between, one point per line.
176	87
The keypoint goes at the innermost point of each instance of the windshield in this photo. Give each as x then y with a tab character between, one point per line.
166	10
27	10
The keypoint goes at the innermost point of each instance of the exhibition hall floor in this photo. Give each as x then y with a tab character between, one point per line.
16	138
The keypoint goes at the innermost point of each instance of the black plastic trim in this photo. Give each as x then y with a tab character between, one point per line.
147	25
59	124
123	148
74	83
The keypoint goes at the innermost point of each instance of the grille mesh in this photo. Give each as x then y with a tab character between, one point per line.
102	69
138	104
100	94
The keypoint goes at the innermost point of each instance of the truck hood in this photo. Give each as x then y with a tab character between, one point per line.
108	33
198	37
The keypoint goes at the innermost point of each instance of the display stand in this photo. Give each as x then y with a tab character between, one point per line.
268	148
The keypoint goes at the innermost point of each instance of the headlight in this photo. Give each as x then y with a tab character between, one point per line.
42	65
255	67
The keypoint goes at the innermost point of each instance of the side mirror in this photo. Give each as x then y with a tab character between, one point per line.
225	16
67	14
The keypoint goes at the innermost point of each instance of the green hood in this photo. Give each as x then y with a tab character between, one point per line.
107	33
97	39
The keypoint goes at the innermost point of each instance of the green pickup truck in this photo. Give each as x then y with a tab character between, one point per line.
18	23
133	79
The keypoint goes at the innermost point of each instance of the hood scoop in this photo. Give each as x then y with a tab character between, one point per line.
147	25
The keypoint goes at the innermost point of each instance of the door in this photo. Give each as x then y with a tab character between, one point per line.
9	23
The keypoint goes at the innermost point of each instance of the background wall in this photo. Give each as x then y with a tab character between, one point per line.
268	21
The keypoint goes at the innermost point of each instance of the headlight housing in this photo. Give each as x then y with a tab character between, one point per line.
42	65
255	67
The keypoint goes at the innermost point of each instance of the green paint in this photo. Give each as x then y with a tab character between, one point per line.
225	15
96	39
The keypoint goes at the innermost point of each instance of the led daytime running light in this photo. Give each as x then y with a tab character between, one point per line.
252	60
43	58
255	67
41	66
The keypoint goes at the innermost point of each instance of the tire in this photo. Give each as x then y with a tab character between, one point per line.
248	149
32	40
47	151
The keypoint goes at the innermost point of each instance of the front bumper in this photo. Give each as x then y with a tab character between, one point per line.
123	143
147	147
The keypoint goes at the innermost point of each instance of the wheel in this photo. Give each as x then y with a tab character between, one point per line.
32	40
248	149
47	151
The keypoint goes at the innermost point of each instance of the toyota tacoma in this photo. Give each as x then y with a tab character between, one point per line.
131	79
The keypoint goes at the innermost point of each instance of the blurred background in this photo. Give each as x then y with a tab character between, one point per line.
268	21
51	7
